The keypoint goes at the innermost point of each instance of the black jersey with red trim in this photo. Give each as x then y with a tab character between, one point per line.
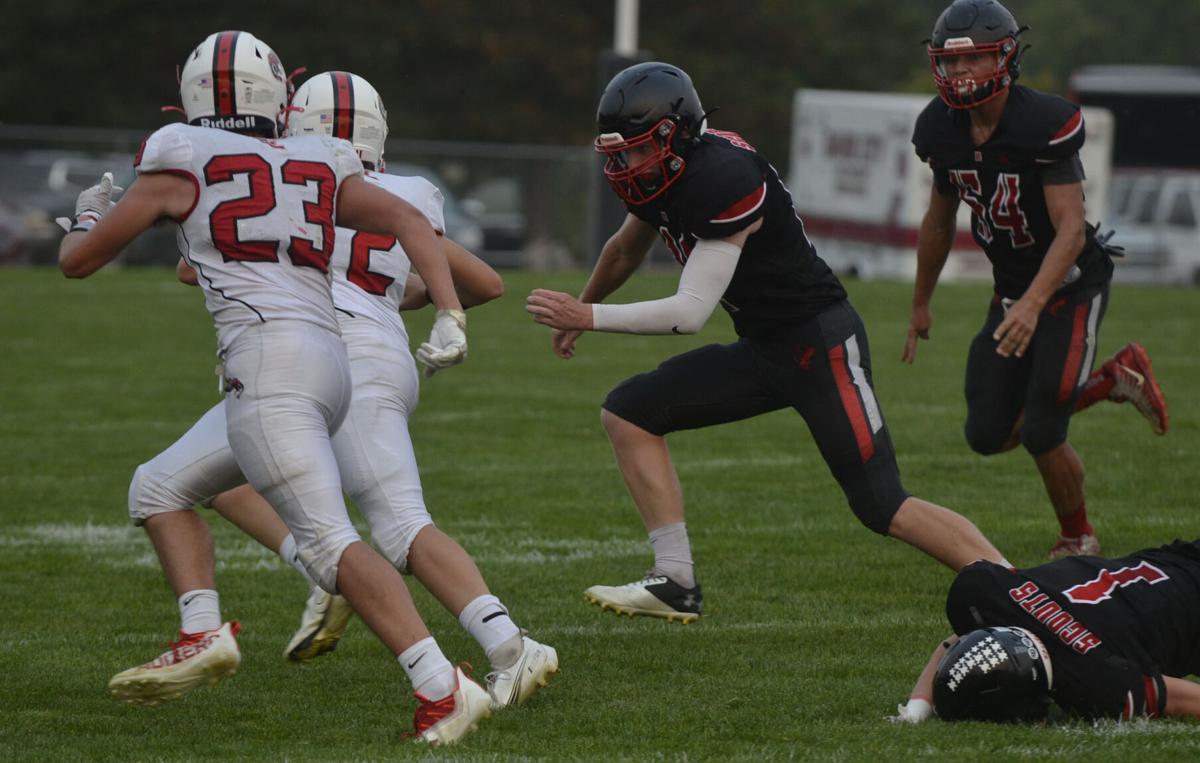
725	187
1113	627
1002	181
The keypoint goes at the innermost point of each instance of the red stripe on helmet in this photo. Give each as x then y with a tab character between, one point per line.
224	101
343	106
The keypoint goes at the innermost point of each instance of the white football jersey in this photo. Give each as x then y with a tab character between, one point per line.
370	269
261	233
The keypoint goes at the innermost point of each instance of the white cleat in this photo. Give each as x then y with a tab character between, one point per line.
325	618
652	596
447	720
196	659
516	684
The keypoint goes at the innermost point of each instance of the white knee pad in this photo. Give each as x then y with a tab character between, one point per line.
321	557
196	467
150	493
395	536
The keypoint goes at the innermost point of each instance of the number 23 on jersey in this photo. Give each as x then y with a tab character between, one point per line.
262	199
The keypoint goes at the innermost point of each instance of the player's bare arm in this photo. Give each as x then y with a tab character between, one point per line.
920	701
151	197
1064	203
621	255
934	239
705	277
474	280
1183	697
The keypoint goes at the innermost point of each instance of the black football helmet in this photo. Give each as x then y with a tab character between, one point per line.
970	27
649	120
1001	675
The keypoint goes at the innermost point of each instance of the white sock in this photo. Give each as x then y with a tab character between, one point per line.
199	610
673	553
431	674
289	554
487	620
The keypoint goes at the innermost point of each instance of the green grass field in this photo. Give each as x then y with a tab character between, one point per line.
814	629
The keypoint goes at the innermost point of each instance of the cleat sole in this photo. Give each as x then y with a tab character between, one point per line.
671	617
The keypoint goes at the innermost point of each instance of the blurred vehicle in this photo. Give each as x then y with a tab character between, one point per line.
460	225
497	204
44	184
1156	215
1156	167
862	192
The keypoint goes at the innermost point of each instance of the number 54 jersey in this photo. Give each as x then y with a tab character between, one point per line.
261	232
1003	181
1113	627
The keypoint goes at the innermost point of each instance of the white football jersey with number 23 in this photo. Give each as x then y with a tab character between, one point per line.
261	233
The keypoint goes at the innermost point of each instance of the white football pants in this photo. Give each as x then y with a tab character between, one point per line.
372	449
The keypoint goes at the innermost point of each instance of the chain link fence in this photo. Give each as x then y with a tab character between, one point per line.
516	205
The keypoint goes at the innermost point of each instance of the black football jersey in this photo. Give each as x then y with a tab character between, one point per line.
1113	627
1002	181
725	187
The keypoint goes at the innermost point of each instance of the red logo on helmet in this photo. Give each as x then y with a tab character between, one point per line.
276	66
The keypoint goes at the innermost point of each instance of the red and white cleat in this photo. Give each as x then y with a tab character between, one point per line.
447	720
194	660
1134	383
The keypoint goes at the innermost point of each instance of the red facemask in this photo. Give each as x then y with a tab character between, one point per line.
960	91
651	173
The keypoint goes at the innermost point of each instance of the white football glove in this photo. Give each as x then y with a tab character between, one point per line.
916	711
92	204
447	345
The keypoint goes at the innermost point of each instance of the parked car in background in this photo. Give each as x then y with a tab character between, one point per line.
1155	199
497	204
1156	216
43	184
460	225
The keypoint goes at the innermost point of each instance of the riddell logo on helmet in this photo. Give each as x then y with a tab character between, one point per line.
227	123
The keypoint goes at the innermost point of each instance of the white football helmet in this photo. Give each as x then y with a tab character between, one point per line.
234	81
341	105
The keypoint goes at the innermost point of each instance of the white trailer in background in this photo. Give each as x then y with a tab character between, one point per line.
861	190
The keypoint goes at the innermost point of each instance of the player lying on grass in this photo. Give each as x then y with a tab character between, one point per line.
1092	637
